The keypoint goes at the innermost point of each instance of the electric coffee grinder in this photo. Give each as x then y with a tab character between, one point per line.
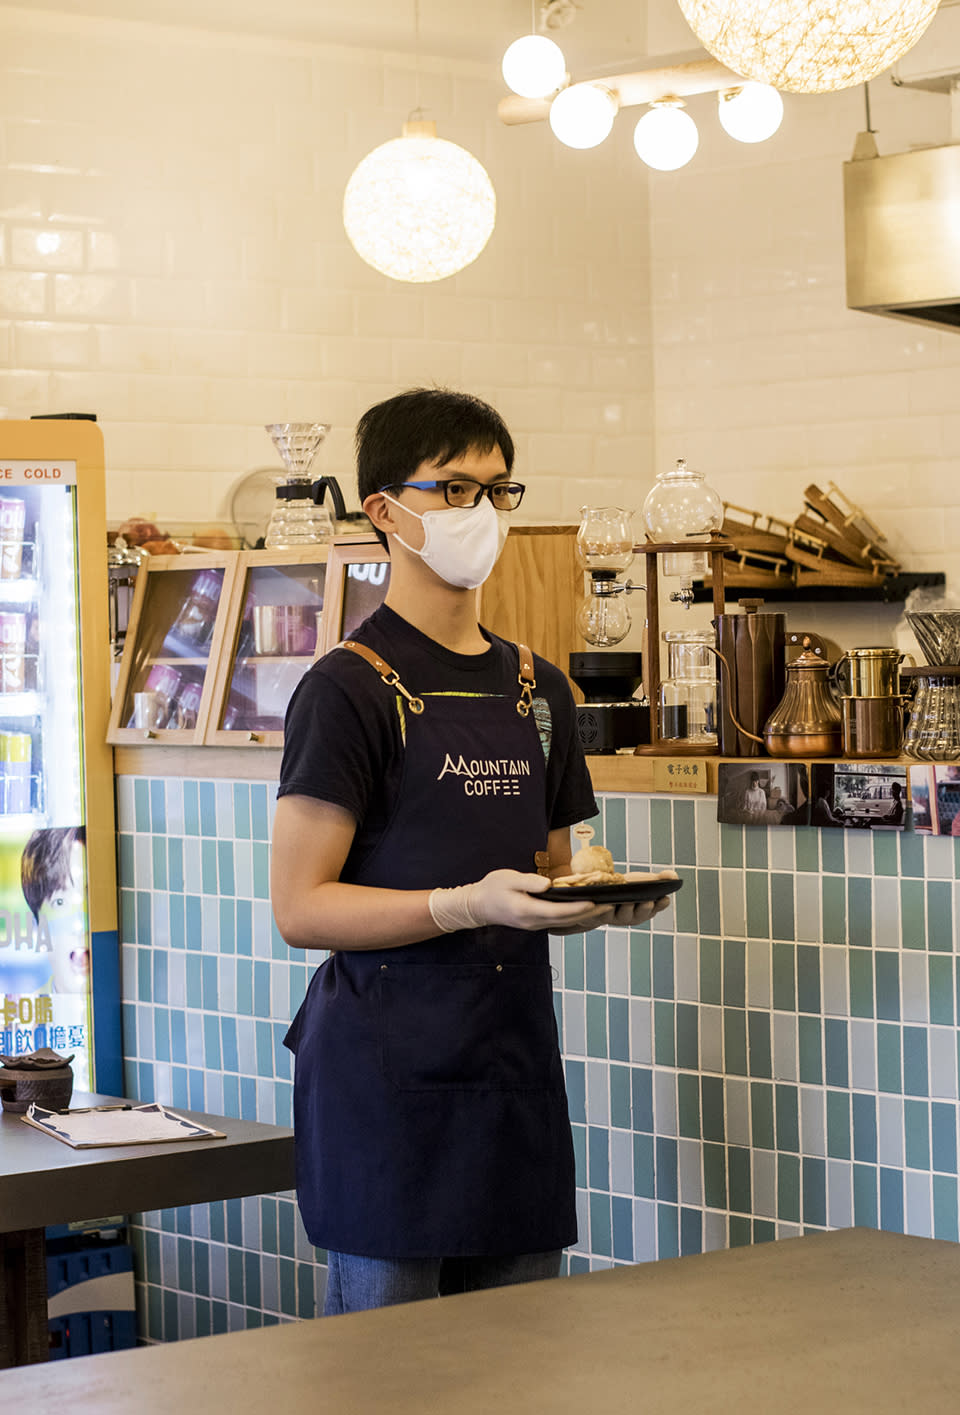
611	717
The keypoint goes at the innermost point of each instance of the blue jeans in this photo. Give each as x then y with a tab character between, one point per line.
356	1284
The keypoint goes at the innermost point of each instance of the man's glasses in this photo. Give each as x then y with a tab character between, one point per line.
464	491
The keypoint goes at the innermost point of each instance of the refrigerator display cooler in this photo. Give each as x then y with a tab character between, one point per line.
59	952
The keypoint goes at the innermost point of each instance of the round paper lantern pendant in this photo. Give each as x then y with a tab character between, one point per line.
808	46
419	208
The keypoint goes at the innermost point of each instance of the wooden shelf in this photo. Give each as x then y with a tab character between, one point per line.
891	589
622	771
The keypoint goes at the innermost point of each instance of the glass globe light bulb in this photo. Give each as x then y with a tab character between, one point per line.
682	506
603	620
582	115
534	66
752	113
666	138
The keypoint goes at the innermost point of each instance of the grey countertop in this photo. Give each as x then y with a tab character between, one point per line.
853	1322
44	1181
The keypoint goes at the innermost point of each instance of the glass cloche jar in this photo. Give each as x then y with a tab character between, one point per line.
681	506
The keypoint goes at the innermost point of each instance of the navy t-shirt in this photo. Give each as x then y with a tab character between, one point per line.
344	735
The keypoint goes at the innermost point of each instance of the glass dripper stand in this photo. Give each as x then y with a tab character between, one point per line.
297	519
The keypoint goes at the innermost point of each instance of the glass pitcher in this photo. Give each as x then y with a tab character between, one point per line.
933	729
688	695
605	538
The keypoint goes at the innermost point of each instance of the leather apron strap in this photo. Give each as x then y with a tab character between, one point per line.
391	677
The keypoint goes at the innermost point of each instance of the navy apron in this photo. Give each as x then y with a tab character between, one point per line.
429	1102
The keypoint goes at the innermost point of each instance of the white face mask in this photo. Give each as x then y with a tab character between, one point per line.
461	543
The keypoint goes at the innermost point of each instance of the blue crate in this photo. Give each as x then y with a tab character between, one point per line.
90	1295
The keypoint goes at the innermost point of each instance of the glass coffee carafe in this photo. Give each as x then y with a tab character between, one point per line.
688	695
933	728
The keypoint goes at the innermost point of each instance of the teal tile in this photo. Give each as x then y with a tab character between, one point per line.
684	833
731	846
755	851
761	1116
665	1151
814	1181
665	1047
940	975
788	1122
208	808
835	1051
740	1232
887	968
711	988
758	1041
714	1177
885	853
916	1079
661	832
865	1128
865	1205
640	969
911	853
916	1122
596	963
685	904
241	810
808	978
663	981
811	1051
711	1108
764	1230
620	1112
788	1188
688	1049
225	870
838	1125
784	977
688	1106
891	1200
668	1231
158	807
158	851
691	1232
734	973
708	892
615	827
888	1059
758	904
735	1041
191	808
261	871
259	817
945	1208
738	1180
940	916
175	864
832	852
861	982
860	911
144	926
912	910
782	906
834	915
808	849
208	866
622	1229
141	804
644	1181
574	976
943	1125
618	1028
125	858
596	1025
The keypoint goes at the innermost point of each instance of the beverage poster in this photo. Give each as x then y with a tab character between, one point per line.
45	946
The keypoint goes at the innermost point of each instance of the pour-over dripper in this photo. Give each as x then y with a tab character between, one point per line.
937	631
299	518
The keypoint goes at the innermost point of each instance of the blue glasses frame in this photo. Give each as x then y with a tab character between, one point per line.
489	489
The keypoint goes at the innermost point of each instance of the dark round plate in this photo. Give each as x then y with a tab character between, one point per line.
639	892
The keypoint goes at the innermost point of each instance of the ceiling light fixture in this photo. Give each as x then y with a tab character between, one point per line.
419	208
752	113
582	115
808	46
666	137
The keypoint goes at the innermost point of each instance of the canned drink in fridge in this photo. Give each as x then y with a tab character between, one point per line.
13	651
16	751
13	516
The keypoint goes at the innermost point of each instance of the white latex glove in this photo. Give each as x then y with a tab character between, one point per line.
508	897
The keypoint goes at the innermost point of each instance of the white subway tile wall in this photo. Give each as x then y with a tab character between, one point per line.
173	259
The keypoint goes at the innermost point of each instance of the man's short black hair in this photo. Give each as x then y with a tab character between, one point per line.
434	425
45	863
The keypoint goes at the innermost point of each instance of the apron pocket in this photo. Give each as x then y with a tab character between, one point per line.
469	1027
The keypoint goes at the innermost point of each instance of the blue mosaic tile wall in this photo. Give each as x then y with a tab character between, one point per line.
777	1053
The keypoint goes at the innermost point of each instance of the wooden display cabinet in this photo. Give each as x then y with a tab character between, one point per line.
274	631
174	639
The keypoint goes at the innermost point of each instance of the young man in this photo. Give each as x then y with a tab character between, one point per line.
427	765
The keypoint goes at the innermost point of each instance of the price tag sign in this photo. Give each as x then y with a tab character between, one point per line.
679	774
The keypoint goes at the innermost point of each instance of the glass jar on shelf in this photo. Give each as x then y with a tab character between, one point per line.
688	695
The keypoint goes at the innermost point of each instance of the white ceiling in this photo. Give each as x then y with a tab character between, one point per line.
605	35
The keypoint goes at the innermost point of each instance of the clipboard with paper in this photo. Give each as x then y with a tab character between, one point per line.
150	1124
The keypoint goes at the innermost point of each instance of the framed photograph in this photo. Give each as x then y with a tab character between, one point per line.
935	798
763	792
860	796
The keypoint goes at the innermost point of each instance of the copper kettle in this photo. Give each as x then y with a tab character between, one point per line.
807	721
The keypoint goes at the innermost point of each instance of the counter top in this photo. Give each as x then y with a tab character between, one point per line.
856	1321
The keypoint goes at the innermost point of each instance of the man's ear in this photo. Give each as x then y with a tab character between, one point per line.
380	512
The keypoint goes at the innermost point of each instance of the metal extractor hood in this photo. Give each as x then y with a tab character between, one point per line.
902	216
